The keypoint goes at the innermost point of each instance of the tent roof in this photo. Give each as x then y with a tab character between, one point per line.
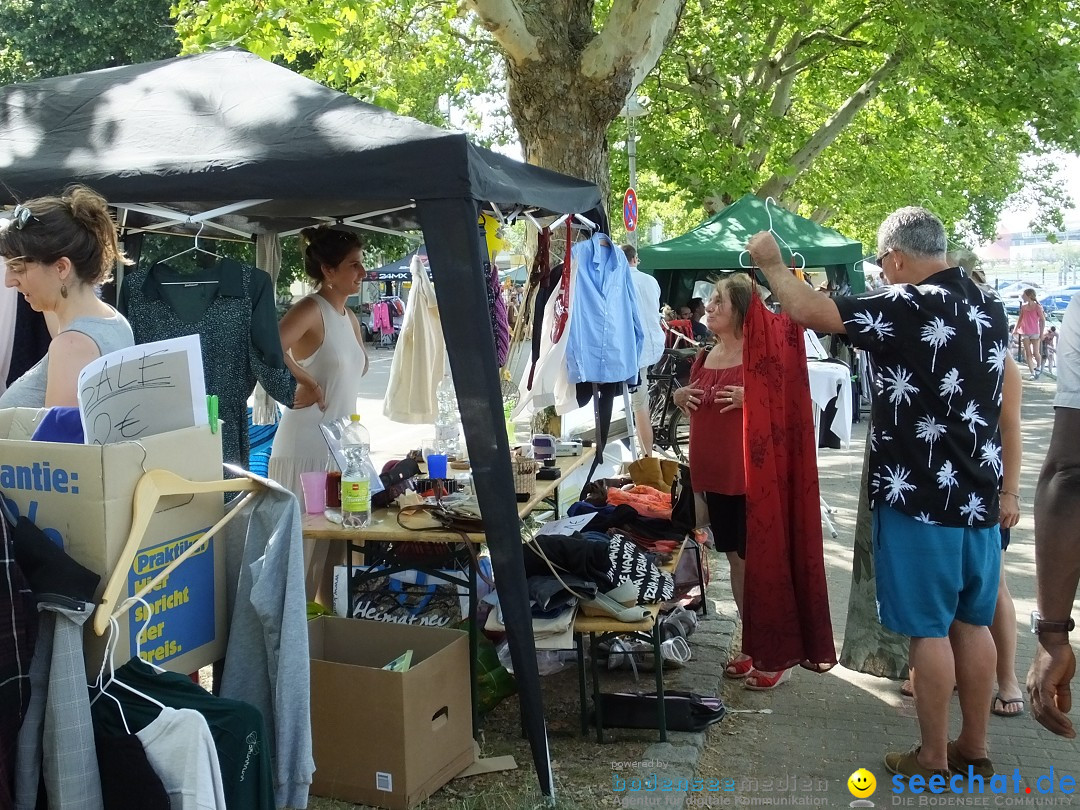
716	243
198	132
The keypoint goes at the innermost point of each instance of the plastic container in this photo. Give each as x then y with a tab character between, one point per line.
447	418
355	484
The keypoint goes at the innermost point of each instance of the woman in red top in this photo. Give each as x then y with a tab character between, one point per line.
714	400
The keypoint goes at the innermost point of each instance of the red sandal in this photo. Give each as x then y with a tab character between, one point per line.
739	667
758	681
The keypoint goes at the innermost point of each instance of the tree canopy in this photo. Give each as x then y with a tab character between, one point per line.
842	109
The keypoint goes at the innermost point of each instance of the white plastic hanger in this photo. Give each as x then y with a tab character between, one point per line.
102	685
780	240
193	249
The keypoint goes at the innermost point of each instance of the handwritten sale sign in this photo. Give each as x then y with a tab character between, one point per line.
143	390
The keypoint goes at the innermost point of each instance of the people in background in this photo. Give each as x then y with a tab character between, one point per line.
648	299
57	250
1057	543
324	349
1049	351
940	343
1030	328
697	312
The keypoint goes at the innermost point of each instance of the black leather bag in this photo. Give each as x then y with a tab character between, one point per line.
684	711
684	514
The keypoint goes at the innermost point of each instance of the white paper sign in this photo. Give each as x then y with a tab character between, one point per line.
567	525
143	390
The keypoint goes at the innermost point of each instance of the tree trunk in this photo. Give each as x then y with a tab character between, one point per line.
567	81
563	118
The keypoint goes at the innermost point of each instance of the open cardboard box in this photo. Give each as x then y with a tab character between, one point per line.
80	496
388	739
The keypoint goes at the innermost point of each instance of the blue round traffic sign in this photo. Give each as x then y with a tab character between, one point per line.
629	210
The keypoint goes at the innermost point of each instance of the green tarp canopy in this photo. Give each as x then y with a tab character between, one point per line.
715	246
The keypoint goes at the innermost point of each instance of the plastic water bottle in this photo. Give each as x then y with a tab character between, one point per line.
447	420
355	485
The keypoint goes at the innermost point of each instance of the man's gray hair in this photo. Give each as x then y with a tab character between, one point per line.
914	231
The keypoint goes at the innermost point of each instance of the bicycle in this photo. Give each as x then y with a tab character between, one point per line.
671	427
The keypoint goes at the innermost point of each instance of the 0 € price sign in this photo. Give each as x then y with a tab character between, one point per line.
629	210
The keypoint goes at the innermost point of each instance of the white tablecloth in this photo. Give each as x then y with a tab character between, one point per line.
827	380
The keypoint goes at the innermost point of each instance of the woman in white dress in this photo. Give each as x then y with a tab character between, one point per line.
324	349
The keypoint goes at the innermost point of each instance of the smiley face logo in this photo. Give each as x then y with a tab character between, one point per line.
861	783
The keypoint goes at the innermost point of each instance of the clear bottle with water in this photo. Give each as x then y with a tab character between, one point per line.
447	419
355	484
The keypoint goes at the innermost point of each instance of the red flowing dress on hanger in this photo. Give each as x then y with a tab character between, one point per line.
786	603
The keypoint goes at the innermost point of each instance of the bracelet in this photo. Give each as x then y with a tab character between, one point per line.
1006	492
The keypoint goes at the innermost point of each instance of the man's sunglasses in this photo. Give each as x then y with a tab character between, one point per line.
881	257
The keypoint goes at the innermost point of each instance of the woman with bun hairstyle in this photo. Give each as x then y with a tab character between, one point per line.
324	349
56	251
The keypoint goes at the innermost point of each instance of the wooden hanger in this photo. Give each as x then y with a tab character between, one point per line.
152	487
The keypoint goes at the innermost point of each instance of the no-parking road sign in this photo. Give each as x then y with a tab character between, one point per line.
629	210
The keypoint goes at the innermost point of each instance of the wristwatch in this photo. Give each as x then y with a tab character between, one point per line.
1041	625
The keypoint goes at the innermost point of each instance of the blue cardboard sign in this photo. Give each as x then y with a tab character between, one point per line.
181	605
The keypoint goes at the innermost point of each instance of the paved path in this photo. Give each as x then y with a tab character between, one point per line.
821	728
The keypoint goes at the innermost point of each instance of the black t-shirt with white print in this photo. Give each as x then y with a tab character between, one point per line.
938	350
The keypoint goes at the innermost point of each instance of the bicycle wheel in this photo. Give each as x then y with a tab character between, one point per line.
678	434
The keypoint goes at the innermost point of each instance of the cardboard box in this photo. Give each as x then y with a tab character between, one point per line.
81	497
388	739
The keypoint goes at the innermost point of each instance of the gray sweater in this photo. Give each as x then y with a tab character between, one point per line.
267	660
110	334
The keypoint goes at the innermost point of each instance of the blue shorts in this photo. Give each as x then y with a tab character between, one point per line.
927	575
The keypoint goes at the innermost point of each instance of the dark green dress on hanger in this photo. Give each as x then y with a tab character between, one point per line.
231	307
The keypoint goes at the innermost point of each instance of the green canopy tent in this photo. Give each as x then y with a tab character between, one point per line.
715	246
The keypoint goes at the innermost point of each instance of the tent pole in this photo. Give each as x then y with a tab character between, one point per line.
454	252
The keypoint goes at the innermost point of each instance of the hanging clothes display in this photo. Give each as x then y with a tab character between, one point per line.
266	662
500	319
605	333
420	358
17	633
237	728
786	619
56	741
547	382
128	780
231	307
179	747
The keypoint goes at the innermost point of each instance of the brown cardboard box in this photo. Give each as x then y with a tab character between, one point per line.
81	497
388	739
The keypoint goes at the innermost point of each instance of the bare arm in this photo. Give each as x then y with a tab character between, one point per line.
804	305
69	354
297	329
1057	572
1057	518
1011	445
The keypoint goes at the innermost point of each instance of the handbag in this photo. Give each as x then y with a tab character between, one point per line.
688	508
683	711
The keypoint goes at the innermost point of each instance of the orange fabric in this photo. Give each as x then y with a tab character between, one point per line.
646	501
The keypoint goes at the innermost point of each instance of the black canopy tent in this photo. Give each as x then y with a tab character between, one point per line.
239	146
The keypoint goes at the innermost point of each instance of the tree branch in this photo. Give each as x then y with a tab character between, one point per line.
828	131
766	52
634	36
503	18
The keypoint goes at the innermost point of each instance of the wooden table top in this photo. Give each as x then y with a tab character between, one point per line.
385	528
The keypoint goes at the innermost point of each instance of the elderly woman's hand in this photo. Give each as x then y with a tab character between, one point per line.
731	396
687	398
